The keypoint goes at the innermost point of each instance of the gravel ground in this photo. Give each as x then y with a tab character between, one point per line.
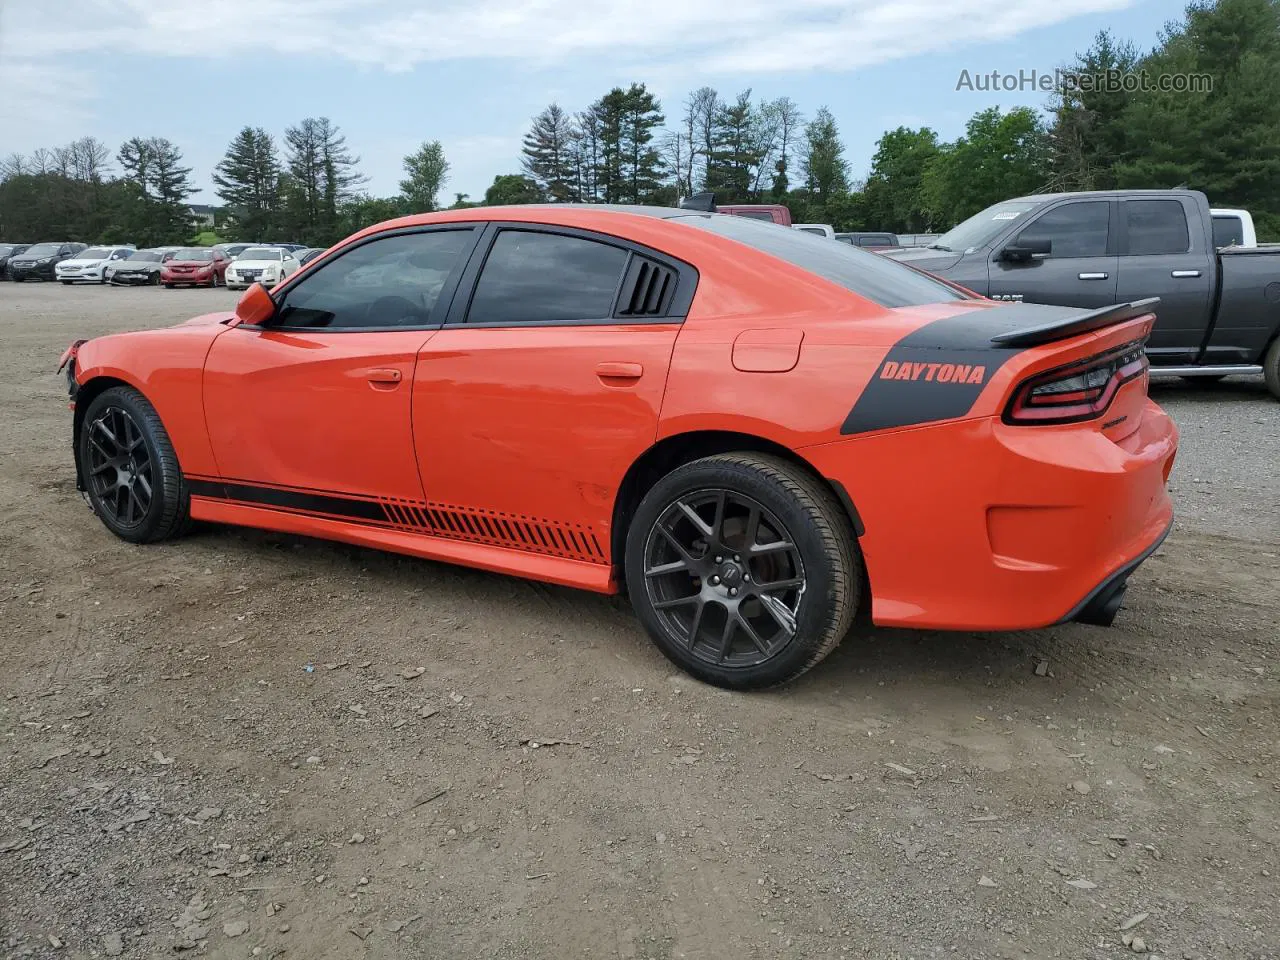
242	744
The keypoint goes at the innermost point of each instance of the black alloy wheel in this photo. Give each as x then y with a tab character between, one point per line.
743	568
119	468
725	577
129	469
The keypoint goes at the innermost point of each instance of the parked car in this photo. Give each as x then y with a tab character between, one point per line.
917	239
773	427
40	261
291	247
1217	313
307	255
771	212
1233	228
142	268
817	229
869	240
90	265
8	250
233	250
265	265
195	267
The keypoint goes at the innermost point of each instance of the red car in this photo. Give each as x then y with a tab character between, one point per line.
755	435
195	267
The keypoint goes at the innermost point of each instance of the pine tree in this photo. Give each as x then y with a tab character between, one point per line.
248	181
323	174
734	152
642	163
826	172
549	154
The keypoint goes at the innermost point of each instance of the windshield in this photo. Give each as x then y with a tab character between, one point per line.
979	229
43	250
194	253
94	253
261	253
6	249
146	256
869	275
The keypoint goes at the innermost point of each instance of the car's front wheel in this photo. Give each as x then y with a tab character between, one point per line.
743	568
130	470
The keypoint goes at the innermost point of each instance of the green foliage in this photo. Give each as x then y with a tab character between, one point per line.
426	171
894	192
1001	155
826	172
513	188
248	181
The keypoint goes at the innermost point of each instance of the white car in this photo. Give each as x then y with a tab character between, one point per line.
1233	228
817	229
264	265
93	264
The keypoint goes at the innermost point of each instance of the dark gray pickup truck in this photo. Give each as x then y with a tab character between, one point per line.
1219	310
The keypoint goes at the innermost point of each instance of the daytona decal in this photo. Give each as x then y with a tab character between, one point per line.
940	372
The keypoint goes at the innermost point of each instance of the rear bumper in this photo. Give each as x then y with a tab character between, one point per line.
978	525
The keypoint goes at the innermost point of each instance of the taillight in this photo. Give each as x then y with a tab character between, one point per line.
1078	391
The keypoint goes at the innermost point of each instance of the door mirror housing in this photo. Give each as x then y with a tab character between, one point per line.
1021	251
256	307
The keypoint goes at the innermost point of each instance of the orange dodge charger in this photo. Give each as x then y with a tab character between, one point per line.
752	431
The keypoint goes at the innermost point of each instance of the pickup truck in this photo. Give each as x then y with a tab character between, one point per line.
1219	309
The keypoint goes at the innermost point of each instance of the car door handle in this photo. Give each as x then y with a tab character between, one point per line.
1093	276
616	370
1184	274
383	376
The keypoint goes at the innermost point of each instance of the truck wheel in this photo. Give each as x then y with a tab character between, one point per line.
743	568
1271	368
129	468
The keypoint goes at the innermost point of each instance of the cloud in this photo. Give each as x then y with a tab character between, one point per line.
697	36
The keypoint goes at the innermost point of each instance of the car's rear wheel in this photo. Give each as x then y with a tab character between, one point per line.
66	283
129	468
168	286
1271	368
743	569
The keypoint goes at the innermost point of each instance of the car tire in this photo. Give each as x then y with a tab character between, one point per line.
1271	368
168	286
130	470
66	283
733	622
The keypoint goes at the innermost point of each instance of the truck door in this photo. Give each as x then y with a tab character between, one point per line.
1161	257
1080	268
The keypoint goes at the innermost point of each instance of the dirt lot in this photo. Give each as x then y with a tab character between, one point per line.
243	744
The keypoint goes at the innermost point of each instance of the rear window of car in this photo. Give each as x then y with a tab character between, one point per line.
869	275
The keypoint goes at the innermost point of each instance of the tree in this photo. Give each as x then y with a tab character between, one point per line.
322	174
700	125
362	211
154	207
894	197
427	170
549	154
513	188
734	153
641	160
781	120
1089	134
248	181
1001	155
826	172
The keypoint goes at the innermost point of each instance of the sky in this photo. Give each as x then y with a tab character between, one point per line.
472	73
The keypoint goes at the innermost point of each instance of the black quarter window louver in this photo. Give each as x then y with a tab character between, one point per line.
647	290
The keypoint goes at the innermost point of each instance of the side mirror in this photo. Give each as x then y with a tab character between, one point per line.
1022	251
256	307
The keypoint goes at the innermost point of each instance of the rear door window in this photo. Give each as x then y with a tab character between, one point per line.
1156	227
534	277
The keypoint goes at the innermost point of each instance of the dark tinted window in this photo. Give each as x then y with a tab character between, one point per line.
392	282
756	215
869	275
1074	229
1155	227
1227	231
529	277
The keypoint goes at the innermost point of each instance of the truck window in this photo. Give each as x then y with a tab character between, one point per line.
1228	232
1074	229
1156	227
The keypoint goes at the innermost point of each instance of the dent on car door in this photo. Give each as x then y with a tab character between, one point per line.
1080	269
319	399
530	406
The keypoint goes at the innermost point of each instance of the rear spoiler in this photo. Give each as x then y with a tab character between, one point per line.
1075	324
